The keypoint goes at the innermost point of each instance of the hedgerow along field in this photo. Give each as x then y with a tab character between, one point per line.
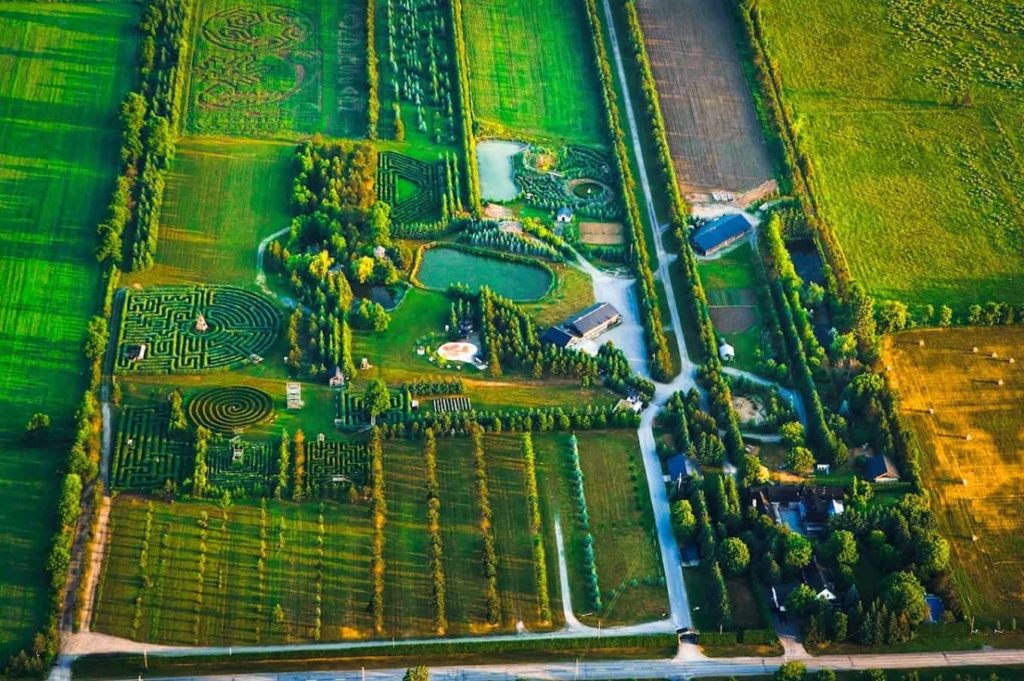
914	130
531	70
224	195
975	484
713	129
64	69
264	68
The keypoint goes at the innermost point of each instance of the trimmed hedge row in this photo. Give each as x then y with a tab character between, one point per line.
372	72
583	520
379	511
466	109
662	364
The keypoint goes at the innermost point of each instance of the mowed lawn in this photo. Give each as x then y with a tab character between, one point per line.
532	71
921	182
224	195
64	69
975	485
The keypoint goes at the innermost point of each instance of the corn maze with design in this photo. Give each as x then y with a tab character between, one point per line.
240	465
241	327
429	179
230	410
146	454
331	463
352	411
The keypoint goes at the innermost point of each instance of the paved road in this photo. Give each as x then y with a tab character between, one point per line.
683	666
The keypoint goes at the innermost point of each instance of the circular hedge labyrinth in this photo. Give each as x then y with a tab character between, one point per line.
226	410
241	327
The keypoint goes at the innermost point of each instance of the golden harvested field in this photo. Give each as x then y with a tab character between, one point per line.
973	448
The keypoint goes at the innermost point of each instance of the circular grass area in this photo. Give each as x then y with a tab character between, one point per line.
588	190
441	267
226	410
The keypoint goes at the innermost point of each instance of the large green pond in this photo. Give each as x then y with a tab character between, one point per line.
442	267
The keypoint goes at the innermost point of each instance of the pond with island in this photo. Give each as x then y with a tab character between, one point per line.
441	267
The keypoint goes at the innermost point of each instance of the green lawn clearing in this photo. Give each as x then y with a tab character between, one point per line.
224	195
531	70
64	69
914	130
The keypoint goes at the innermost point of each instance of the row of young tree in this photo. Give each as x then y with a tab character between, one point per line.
586	538
662	363
540	563
149	124
483	495
434	528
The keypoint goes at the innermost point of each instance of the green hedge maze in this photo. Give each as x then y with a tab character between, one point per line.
352	410
332	464
146	453
249	69
429	179
230	410
238	465
164	322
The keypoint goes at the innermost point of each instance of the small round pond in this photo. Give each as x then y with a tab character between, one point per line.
588	189
442	267
495	163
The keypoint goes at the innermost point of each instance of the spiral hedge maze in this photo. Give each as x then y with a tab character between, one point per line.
240	465
331	463
352	411
241	327
230	410
577	167
250	65
429	178
146	454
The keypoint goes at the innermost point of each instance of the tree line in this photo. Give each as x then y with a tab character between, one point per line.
149	124
662	363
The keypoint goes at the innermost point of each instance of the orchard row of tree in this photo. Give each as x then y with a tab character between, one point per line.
662	363
540	563
149	124
483	495
586	539
434	528
378	515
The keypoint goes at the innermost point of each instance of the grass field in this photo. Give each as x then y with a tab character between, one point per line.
620	519
712	127
64	69
921	185
224	195
264	68
975	485
531	70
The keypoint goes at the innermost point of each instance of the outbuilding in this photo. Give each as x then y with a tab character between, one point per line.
559	337
880	468
563	214
726	352
720	232
594	321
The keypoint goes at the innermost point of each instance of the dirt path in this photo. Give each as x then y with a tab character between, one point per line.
99	553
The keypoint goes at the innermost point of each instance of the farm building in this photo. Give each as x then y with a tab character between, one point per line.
594	321
716	234
559	338
563	215
880	468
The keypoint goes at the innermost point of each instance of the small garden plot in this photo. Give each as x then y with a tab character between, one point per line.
447	404
352	412
147	453
417	190
189	329
257	70
548	179
497	173
602	233
230	410
442	266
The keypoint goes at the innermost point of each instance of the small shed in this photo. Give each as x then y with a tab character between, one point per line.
726	352
563	214
337	379
135	353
